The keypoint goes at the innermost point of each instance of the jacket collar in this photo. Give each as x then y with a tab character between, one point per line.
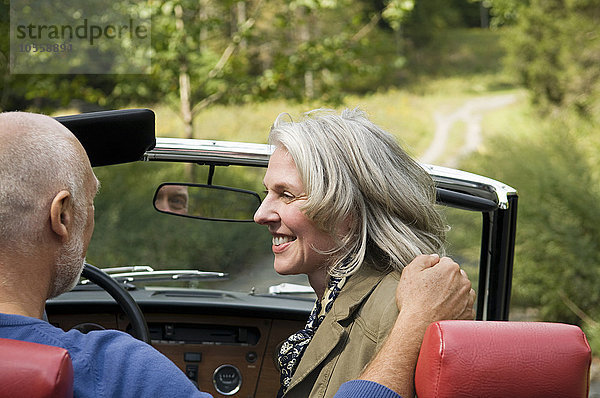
329	334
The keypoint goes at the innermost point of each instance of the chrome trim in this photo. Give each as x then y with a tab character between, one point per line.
473	184
251	154
208	151
166	275
130	268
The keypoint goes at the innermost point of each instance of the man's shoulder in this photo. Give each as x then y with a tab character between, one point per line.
34	330
112	342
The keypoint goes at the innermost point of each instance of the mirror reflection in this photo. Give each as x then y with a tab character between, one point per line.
172	199
206	202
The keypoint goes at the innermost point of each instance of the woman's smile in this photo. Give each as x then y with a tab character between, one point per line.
281	243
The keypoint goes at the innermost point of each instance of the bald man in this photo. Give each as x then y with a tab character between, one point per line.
47	188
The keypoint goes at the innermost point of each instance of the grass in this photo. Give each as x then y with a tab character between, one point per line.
515	119
456	137
405	114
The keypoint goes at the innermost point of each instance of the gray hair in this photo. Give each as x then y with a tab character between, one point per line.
356	174
36	163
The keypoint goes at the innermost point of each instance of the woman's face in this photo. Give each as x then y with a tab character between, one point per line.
294	234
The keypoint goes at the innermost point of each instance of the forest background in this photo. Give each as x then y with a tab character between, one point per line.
224	69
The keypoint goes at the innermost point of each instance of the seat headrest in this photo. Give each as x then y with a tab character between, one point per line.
34	370
503	359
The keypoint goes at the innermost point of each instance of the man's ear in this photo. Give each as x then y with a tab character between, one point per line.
61	214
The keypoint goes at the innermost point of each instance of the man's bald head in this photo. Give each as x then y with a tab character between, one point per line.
39	157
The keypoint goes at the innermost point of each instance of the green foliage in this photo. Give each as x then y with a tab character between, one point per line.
430	19
558	231
592	333
46	92
396	12
550	154
505	12
302	50
555	50
468	53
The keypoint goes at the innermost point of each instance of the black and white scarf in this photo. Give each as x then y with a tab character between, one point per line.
292	349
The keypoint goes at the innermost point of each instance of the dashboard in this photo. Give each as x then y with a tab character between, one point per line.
227	349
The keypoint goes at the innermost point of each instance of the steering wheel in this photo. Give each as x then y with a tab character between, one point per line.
122	297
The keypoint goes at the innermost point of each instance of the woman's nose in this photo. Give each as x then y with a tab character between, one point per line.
266	212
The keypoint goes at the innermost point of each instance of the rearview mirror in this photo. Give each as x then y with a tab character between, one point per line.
206	202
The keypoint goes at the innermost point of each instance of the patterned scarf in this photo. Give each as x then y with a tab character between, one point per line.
292	349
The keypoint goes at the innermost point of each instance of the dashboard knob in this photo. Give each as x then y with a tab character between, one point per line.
227	379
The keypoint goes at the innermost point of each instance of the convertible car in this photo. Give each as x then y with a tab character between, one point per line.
178	262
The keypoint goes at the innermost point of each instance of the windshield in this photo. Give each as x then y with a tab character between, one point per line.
130	231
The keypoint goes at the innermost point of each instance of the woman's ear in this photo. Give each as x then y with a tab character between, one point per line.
61	214
346	225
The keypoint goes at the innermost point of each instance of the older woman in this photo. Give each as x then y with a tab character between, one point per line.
349	208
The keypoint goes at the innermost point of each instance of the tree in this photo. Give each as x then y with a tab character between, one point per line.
555	50
212	51
234	51
505	12
44	80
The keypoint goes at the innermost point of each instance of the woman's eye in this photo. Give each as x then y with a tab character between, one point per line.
288	196
284	196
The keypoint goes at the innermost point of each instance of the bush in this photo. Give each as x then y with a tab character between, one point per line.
555	49
558	230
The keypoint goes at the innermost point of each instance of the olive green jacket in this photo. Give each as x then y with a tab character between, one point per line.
349	336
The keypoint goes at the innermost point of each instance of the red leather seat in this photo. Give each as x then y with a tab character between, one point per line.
503	359
34	370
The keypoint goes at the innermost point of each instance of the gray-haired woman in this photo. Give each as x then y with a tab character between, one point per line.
349	208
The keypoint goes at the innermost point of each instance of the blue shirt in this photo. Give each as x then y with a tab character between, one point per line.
110	363
364	389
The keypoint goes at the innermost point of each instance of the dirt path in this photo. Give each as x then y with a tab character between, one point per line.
470	113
